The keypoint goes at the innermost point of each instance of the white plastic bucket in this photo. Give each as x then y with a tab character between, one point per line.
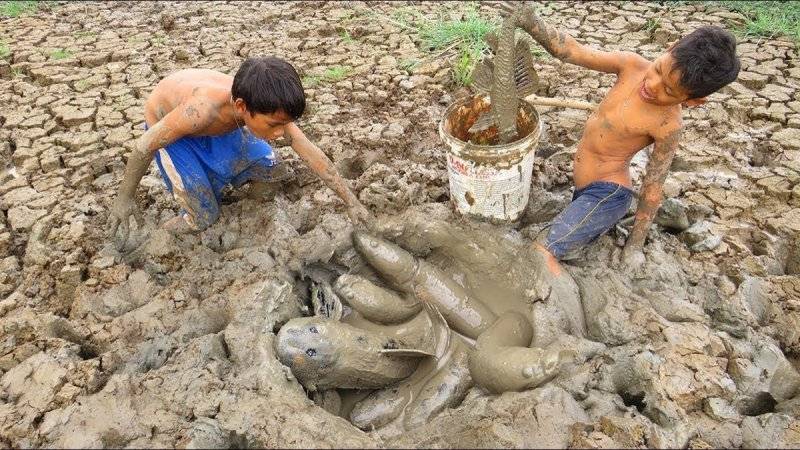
489	181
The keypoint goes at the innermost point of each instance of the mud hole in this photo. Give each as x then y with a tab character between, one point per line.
171	343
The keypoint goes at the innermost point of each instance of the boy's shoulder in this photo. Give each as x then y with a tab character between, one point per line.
671	126
633	62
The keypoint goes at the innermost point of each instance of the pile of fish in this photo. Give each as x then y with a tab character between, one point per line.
404	354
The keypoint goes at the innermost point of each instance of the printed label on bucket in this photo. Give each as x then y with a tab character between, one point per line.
488	191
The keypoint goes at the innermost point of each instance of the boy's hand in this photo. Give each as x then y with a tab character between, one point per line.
361	217
632	257
119	219
523	10
510	8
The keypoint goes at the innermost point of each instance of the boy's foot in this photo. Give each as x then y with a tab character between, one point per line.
177	225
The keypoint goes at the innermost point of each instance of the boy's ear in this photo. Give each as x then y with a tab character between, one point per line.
692	102
240	105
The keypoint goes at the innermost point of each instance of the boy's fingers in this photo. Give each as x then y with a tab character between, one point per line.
124	231
139	219
112	227
507	7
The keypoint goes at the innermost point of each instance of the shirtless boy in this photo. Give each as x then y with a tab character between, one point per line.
208	130
642	108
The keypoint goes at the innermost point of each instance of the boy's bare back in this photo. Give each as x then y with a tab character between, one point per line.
189	88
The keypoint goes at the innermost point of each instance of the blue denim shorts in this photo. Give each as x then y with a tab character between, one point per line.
595	208
196	169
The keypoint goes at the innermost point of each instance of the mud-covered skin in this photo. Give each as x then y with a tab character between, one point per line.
427	283
325	354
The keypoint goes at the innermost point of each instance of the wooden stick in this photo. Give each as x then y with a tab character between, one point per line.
575	104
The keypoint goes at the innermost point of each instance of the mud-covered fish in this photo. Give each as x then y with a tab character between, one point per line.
506	78
427	283
324	300
503	362
373	302
437	383
324	353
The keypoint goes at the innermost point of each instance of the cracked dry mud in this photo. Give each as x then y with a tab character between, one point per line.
171	344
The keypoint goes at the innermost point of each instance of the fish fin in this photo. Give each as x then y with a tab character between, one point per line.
484	122
436	315
443	330
406	352
525	74
325	302
482	76
491	39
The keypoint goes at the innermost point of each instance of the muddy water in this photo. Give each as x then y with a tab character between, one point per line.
464	117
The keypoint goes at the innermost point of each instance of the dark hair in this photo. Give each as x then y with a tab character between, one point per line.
707	60
268	85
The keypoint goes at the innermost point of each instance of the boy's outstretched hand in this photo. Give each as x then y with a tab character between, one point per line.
632	258
361	217
121	212
524	10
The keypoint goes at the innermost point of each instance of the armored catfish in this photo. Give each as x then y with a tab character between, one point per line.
506	78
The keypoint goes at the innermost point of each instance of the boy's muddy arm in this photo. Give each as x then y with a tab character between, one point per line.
138	162
556	42
323	167
560	44
650	195
179	122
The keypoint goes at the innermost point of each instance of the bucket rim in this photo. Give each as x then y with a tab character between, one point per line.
533	136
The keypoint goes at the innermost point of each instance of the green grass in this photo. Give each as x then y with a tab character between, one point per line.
464	36
17	8
5	50
331	75
408	65
60	54
346	37
651	25
336	73
158	40
766	18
